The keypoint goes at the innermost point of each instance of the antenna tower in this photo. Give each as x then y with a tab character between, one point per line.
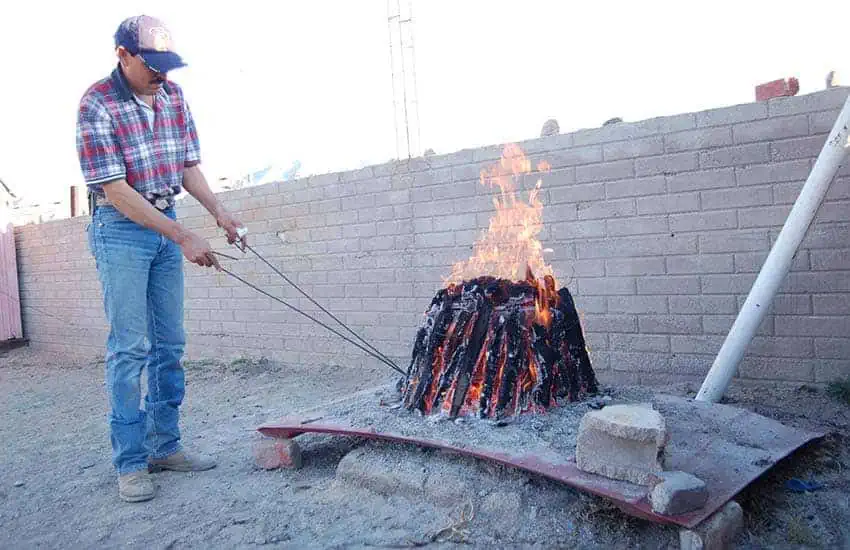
403	70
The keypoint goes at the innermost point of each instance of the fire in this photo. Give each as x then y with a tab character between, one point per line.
500	338
510	246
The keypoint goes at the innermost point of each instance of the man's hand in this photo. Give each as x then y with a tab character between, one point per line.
226	221
196	184
198	251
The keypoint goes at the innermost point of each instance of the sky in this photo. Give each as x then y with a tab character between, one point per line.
274	82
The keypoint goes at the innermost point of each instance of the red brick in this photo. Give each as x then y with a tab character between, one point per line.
777	88
273	453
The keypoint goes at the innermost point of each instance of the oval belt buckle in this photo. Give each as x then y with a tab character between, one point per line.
161	204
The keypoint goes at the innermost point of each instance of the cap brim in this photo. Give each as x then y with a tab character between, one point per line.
162	62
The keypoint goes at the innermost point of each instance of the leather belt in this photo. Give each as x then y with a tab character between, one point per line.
161	203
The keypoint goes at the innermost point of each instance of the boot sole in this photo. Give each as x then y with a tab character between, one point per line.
156	468
140	498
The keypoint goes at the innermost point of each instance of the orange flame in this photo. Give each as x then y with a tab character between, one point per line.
510	247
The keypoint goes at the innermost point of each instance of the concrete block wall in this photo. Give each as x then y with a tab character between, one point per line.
658	227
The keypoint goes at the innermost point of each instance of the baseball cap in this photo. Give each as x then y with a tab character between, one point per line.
149	38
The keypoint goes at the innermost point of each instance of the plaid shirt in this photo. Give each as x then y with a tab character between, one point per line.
115	140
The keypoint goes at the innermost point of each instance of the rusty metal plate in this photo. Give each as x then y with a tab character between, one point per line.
725	446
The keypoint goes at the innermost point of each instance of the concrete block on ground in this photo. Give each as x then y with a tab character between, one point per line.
678	493
717	532
623	442
271	453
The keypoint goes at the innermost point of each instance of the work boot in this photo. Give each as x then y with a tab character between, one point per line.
135	486
182	461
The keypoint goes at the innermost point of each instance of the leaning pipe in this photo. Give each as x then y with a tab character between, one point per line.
779	260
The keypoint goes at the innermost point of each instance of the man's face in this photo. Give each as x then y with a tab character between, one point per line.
143	80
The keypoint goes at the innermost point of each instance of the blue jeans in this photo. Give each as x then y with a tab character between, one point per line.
141	275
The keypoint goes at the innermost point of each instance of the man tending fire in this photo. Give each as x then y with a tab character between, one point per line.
500	339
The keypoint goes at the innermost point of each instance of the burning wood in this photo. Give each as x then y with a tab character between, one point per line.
492	344
483	350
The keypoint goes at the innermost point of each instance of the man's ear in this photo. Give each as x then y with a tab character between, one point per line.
123	55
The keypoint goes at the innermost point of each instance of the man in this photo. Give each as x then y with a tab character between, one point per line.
138	148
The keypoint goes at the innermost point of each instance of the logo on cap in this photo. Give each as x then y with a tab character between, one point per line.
161	39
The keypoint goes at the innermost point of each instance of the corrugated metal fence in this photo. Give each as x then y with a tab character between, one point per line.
10	305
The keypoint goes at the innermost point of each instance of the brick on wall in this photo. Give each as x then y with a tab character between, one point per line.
659	227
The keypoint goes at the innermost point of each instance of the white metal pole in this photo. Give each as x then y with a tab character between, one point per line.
779	260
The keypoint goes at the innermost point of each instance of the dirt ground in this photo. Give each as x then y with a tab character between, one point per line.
57	487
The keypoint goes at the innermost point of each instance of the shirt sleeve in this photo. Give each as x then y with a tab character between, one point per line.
99	154
193	145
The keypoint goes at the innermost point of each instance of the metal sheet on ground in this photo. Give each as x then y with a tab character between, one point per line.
725	446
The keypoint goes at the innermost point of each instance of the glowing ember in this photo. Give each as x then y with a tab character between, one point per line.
500	339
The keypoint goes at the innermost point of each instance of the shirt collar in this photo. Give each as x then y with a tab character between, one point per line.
123	87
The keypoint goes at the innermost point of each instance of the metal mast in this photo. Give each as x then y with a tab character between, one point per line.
403	70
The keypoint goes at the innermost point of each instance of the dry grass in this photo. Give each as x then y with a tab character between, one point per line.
769	506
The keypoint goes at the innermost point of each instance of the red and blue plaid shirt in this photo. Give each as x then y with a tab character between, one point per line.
115	140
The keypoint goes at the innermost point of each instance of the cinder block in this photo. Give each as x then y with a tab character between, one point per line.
429	240
591	304
768	216
666	164
705	344
637	304
574	156
668	285
669	203
817	282
703	138
715	533
696	305
798	148
577	193
678	493
738	155
634	266
635	187
822	122
720	324
728	283
734	241
704	221
606	209
704	179
623	442
752	262
731	115
784	346
787	304
771	129
831	304
643	225
633	148
670	324
606	286
623	247
607	171
776	368
611	323
826	100
737	198
455	222
640	342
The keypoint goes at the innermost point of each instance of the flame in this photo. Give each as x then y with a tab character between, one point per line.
510	246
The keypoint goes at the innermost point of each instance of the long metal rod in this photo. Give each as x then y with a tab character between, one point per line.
347	339
779	260
332	316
